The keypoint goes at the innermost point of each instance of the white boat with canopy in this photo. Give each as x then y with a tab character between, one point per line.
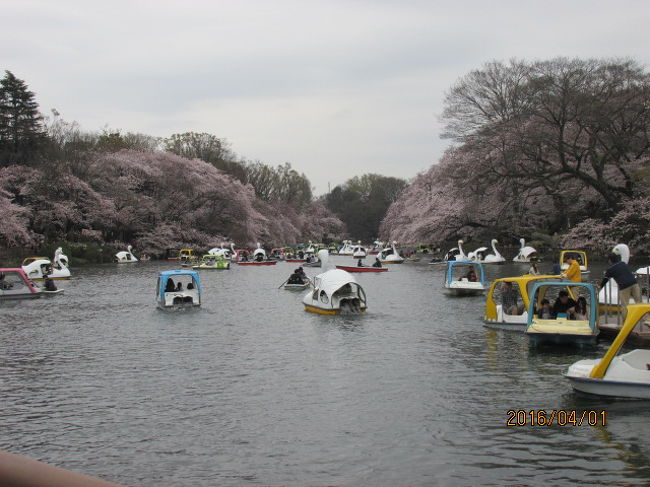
526	253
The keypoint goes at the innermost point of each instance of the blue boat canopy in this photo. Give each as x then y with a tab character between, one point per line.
164	276
452	263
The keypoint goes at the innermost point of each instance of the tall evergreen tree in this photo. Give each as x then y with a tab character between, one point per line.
21	129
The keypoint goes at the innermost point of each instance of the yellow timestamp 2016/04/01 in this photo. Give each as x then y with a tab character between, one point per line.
559	417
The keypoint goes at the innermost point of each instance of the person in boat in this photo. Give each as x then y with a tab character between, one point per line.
556	270
573	272
190	286
308	259
295	278
625	279
509	299
533	271
581	309
471	275
170	287
301	273
545	312
360	263
564	304
244	257
377	262
49	284
259	258
179	287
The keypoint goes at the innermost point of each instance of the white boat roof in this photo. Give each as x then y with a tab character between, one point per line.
527	251
481	249
333	280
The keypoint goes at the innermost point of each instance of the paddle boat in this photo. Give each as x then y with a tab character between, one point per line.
347	248
178	289
242	255
390	255
579	255
125	256
183	255
259	254
455	253
461	278
37	268
377	246
512	319
335	292
359	251
526	253
333	249
561	328
212	262
14	284
224	252
277	253
493	258
626	375
643	271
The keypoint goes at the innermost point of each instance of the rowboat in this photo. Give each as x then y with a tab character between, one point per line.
361	269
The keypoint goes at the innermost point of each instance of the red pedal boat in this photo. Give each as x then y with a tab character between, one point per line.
361	269
296	260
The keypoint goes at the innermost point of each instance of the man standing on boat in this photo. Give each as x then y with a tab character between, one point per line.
627	285
573	272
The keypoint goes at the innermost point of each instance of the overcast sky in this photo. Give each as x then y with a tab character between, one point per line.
336	88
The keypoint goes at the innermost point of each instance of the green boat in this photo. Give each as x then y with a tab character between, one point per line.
212	262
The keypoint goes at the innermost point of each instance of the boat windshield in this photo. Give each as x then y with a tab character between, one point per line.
563	302
11	282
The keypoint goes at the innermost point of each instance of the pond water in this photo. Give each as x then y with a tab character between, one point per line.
252	390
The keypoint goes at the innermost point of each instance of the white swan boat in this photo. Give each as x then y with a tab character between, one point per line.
456	253
526	253
347	248
359	251
335	292
125	256
390	255
259	254
37	268
226	253
626	375
495	257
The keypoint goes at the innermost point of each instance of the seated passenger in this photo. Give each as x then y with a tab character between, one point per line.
301	272
581	309
360	263
179	287
509	297
295	278
190	286
564	304
545	312
170	287
49	284
377	262
471	276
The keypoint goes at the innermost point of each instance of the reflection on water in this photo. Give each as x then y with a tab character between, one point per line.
251	389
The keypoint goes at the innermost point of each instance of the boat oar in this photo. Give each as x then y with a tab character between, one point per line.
285	281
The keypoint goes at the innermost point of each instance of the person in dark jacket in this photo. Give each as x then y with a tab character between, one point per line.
627	285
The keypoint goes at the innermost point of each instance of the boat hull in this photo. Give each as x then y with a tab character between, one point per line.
272	262
322	311
637	339
296	287
361	269
296	260
504	325
459	291
563	339
610	388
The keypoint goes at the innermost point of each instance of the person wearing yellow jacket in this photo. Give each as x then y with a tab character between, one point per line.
573	272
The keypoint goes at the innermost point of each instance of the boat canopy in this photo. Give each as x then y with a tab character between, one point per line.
524	286
332	281
464	264
544	289
164	276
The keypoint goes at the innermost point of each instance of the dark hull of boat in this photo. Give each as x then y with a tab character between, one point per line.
272	262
